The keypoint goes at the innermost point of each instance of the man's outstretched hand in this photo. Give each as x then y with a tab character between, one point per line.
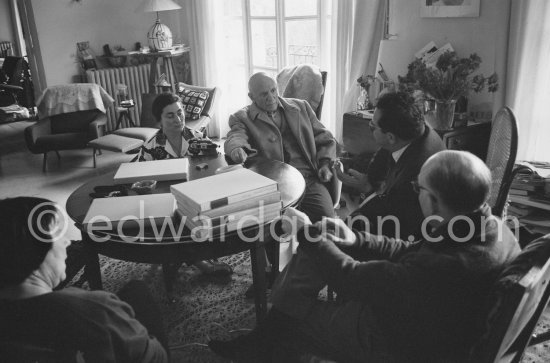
336	230
354	179
238	155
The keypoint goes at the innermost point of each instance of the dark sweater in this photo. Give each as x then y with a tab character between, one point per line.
426	297
96	323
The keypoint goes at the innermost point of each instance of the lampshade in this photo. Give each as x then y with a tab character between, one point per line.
148	6
159	36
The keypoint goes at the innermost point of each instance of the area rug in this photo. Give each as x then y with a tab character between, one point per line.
207	308
203	307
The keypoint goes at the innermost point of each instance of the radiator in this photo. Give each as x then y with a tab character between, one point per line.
137	80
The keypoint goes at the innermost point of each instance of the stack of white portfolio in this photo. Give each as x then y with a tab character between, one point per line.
227	202
169	169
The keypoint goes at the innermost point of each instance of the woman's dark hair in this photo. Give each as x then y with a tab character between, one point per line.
400	115
161	101
25	237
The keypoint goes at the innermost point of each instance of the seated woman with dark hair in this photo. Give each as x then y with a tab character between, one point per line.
66	323
172	141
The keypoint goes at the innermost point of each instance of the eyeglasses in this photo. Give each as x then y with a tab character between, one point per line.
417	187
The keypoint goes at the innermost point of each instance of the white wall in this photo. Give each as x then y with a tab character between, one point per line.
485	35
63	23
6	28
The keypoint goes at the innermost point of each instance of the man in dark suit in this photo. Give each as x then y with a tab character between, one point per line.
406	142
401	301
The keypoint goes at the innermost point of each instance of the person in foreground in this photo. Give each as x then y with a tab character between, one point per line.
406	142
285	129
97	325
401	301
172	141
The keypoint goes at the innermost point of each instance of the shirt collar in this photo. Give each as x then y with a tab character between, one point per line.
255	110
397	154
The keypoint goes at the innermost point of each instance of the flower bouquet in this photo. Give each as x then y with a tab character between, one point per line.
450	78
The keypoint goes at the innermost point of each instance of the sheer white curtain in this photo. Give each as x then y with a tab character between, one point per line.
202	17
357	30
528	76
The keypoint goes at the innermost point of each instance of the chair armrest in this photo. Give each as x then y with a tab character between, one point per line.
33	132
96	128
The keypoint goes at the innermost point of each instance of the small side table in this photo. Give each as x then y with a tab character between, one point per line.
124	113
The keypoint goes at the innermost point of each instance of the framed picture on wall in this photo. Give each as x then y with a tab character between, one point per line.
449	8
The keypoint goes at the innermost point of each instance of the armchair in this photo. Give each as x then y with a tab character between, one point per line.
70	116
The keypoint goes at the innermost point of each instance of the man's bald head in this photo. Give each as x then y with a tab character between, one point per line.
262	90
460	180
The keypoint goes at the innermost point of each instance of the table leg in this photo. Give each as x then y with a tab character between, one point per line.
257	257
169	273
119	121
92	269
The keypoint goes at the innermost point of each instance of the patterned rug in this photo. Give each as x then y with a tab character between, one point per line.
216	307
204	307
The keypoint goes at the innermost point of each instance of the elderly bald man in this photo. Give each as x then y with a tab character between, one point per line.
285	129
402	301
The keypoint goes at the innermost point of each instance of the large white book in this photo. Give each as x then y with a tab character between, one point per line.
131	210
201	220
222	189
169	169
265	199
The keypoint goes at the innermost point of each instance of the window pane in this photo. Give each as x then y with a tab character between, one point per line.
232	8
301	42
262	7
300	8
264	44
270	72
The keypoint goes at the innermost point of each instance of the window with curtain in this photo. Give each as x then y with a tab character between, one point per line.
268	35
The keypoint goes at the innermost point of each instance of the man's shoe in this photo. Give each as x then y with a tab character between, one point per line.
213	268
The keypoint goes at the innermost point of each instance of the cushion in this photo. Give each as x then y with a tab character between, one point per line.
115	143
142	133
193	102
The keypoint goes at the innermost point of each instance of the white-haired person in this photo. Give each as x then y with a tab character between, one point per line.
63	324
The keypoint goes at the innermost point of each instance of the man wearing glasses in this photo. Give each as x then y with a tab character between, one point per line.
406	142
400	301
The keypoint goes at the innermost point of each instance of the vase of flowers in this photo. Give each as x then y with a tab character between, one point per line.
444	82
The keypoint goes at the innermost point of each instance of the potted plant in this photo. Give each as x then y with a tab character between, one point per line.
448	79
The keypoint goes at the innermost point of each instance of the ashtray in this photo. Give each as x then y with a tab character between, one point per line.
144	186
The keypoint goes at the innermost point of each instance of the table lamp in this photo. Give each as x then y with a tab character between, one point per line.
159	36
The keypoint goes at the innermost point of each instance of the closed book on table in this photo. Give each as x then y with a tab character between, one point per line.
202	232
265	199
169	169
201	220
131	210
222	189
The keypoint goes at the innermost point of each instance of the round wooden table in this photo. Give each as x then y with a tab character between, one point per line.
172	252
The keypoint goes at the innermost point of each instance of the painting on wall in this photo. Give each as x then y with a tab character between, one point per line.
449	8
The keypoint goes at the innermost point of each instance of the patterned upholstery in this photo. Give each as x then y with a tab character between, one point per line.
501	157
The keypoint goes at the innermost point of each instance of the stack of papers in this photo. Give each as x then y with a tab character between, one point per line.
227	202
